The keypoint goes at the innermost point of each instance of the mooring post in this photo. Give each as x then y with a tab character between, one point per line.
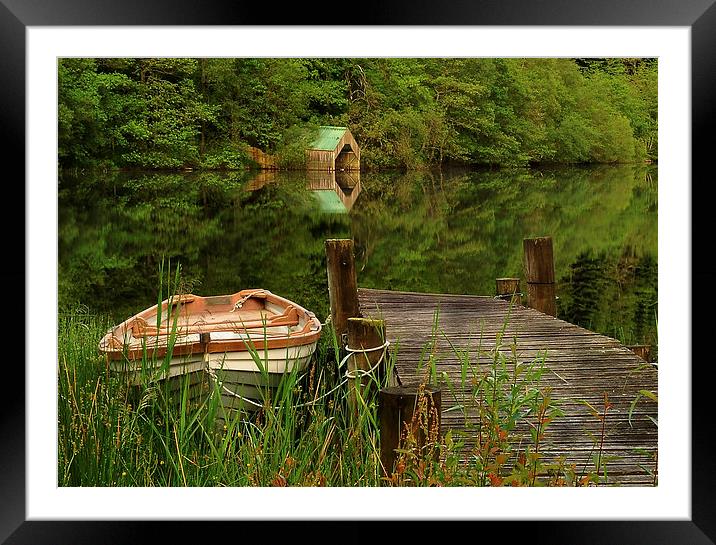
641	350
509	289
539	273
342	284
409	417
366	368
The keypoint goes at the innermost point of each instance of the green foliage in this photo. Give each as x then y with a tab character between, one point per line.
143	113
168	112
291	152
226	157
414	112
406	113
90	106
631	87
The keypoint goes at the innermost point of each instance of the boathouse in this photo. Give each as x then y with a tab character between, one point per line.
334	149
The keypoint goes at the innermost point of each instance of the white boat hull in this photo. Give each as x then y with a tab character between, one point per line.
178	366
242	384
183	372
236	375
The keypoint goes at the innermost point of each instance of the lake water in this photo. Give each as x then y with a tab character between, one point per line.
452	232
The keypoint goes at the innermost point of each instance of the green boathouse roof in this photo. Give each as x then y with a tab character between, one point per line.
328	138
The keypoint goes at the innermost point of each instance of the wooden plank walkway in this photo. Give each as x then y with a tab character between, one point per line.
581	365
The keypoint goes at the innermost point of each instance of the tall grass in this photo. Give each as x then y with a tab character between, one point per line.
504	416
156	433
113	433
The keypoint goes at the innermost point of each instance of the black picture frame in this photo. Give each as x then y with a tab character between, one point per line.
699	15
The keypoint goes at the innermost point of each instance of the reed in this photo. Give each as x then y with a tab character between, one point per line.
114	434
505	414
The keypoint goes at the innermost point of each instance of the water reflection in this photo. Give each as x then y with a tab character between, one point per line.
451	232
344	184
335	191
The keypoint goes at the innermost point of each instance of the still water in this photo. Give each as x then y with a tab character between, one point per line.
452	232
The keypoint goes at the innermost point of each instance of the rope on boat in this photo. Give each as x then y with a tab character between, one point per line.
240	302
226	390
357	373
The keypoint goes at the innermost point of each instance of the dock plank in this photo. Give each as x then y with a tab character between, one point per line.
580	366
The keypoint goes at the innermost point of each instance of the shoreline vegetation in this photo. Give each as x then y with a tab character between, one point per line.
424	169
407	114
114	434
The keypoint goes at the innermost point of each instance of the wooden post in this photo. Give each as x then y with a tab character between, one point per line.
641	350
408	415
342	284
364	333
539	273
509	289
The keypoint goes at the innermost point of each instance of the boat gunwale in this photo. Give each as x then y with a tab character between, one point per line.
117	333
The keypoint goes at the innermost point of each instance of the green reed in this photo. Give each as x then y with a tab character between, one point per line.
306	432
113	433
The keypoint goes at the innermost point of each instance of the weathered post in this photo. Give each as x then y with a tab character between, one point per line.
342	284
539	273
509	289
641	350
409	417
368	335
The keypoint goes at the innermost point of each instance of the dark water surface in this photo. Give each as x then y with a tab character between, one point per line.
452	232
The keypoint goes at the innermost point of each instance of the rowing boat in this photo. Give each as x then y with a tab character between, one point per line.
244	343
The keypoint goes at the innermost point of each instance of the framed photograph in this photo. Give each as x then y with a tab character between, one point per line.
34	36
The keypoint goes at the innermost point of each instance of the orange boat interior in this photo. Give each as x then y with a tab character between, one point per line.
245	311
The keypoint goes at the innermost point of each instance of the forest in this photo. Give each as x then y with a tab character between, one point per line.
406	113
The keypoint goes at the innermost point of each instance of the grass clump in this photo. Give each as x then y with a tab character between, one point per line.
112	433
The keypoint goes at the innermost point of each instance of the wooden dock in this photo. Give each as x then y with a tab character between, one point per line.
581	366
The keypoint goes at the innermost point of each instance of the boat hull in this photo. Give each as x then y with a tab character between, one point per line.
178	366
235	376
219	337
242	385
182	373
